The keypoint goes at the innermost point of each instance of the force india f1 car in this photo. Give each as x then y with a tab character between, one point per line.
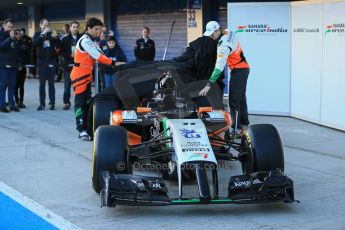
185	143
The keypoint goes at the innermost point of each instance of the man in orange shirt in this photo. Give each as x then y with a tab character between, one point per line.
87	52
229	53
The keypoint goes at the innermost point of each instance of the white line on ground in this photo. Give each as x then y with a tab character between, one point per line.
36	208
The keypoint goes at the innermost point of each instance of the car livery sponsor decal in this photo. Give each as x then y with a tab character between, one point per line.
195	149
247	138
198	155
247	183
193	144
155	185
190	133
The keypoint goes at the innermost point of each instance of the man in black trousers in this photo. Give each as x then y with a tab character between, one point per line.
68	44
46	42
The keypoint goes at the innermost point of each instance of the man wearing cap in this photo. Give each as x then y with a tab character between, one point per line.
229	53
201	55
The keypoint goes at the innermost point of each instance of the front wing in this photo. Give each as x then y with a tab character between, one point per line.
134	190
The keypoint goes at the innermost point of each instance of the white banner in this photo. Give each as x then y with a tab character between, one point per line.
263	30
306	60
333	73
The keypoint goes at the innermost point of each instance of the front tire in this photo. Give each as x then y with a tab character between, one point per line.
101	112
109	153
264	149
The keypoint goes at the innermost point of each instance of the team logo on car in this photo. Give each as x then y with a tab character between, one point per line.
190	133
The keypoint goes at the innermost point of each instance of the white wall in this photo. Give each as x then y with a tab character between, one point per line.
306	61
313	86
333	71
318	63
268	54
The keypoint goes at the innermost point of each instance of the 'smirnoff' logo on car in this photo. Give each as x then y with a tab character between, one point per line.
198	155
260	28
336	28
190	133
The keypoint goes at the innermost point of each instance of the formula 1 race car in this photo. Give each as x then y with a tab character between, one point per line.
184	142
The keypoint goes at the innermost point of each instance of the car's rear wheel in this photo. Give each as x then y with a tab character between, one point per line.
101	112
264	149
109	153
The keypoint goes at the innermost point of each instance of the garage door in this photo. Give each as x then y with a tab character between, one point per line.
128	30
59	14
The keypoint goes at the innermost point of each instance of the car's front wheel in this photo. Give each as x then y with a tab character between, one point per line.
264	149
109	153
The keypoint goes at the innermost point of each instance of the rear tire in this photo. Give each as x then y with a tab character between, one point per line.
109	153
265	149
101	112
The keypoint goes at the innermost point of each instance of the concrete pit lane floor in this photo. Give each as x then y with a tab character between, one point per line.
42	158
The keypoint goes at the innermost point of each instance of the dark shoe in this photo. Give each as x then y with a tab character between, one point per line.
66	106
4	110
52	107
21	106
6	104
14	109
58	79
39	108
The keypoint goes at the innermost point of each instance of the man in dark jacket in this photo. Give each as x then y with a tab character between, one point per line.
144	48
8	66
200	59
46	42
68	45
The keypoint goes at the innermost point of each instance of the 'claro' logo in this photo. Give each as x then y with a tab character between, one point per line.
260	28
336	28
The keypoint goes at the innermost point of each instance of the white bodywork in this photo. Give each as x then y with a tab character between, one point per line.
190	141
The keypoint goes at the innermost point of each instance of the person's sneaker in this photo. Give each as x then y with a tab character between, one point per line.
84	136
21	106
66	106
52	107
4	110
39	108
14	109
